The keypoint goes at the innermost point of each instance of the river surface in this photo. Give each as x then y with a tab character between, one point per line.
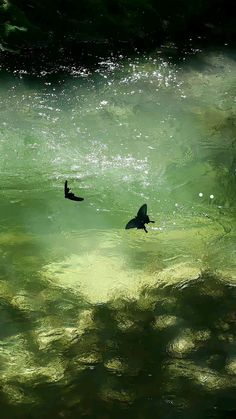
98	321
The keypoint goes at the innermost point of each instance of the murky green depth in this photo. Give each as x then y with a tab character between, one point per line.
97	321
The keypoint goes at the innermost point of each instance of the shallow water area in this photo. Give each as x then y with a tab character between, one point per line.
108	322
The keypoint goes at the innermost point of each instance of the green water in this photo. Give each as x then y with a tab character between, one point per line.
98	321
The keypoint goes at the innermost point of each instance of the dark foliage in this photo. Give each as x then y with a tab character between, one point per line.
58	23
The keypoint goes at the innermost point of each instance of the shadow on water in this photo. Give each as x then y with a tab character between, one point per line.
43	66
170	353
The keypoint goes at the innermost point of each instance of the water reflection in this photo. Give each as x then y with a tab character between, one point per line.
168	352
97	321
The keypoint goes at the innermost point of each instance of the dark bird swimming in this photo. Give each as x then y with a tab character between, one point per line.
140	220
70	195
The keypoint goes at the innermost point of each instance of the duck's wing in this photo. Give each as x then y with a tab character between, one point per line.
70	195
142	212
76	198
66	189
131	224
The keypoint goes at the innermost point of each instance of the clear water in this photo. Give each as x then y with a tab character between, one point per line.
96	320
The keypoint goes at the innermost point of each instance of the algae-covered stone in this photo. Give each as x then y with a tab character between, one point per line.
164	321
179	273
17	396
6	290
115	365
24	303
47	339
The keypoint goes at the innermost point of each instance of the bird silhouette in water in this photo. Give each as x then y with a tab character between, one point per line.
70	195
140	220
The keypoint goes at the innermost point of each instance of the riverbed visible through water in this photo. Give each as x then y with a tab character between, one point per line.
97	321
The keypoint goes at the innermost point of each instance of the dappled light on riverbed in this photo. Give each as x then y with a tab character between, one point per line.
98	321
168	352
